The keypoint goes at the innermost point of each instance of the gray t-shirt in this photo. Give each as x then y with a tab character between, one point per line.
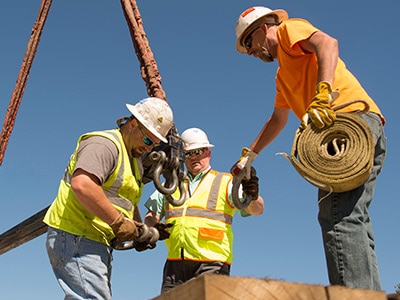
97	155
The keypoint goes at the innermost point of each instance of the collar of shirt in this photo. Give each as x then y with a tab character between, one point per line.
193	182
199	176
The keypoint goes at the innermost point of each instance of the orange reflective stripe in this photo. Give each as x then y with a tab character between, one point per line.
211	233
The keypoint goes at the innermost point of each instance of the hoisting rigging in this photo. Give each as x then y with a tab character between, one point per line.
166	160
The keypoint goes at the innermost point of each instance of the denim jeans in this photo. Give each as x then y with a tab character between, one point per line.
82	267
346	225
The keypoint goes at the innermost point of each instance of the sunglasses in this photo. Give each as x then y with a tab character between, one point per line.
248	41
196	152
146	139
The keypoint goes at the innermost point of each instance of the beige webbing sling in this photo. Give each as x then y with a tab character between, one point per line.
338	158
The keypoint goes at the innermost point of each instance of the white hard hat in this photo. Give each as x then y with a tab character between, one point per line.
155	114
250	19
195	138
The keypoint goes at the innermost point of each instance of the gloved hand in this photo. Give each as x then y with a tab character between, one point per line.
163	230
142	246
250	186
244	162
319	111
124	229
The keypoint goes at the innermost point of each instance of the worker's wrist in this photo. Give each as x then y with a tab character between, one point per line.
323	87
117	220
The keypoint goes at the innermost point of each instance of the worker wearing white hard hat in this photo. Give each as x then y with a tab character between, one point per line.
154	114
253	17
312	80
153	118
98	197
195	138
201	237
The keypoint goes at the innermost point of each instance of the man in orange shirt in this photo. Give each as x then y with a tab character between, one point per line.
309	77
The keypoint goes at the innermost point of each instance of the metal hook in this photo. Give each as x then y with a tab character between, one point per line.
145	233
236	182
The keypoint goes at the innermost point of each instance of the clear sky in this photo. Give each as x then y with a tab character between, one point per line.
85	71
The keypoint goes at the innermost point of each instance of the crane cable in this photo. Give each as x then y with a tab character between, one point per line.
23	75
338	158
148	66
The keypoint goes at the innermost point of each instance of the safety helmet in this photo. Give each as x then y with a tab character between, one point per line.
250	19
195	138
155	114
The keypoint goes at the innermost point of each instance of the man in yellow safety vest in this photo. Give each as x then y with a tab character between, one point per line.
97	199
201	237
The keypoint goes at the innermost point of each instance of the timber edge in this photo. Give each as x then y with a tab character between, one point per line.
23	232
222	287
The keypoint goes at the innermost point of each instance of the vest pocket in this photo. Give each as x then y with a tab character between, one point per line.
211	233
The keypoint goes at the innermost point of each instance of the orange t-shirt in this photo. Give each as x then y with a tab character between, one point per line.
296	76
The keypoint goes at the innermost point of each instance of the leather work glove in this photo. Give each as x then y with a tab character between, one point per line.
124	228
163	230
244	162
142	246
319	111
250	186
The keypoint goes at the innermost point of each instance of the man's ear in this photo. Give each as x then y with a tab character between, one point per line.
264	27
133	122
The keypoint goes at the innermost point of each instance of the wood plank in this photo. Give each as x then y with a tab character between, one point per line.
222	287
23	232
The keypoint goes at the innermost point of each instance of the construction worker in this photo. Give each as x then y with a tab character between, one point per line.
201	237
98	197
310	74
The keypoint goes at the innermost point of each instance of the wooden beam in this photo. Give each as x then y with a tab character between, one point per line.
222	287
23	232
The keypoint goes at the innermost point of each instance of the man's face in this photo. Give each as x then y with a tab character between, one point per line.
197	160
139	140
256	43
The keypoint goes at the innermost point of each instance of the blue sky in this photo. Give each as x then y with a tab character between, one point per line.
85	71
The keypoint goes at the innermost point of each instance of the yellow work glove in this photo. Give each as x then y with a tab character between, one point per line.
319	111
244	162
124	229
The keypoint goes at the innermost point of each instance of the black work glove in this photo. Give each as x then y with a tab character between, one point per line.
142	246
250	187
163	230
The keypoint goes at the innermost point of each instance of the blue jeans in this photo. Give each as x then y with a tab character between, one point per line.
346	225
82	267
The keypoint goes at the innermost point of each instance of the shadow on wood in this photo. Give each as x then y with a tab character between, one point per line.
222	287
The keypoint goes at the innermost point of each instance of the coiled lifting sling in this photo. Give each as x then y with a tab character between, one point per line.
338	158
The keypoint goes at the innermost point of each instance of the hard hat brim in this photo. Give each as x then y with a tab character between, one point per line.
137	115
189	148
282	16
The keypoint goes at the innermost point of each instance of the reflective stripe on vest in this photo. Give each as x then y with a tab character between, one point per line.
115	180
122	187
210	212
202	226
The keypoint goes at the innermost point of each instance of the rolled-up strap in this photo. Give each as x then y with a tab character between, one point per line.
335	159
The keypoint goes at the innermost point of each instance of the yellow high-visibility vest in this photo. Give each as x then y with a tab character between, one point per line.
123	188
202	228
